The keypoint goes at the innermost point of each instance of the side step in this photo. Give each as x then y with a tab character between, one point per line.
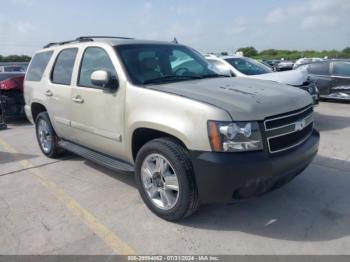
98	158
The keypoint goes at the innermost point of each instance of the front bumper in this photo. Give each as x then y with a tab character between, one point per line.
224	177
312	89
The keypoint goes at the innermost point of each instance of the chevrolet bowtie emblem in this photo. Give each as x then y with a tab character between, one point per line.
300	125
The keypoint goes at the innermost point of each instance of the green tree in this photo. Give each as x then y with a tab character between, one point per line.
15	58
249	51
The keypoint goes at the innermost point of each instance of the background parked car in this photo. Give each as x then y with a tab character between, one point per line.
11	68
333	78
285	65
11	87
247	67
304	61
271	62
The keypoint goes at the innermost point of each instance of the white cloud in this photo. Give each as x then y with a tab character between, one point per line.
240	25
275	16
310	15
315	21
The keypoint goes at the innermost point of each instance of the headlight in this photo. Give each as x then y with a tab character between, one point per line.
234	136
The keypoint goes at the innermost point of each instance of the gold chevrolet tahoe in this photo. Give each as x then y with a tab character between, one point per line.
160	111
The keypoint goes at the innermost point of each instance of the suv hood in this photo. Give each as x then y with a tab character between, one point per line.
293	77
244	99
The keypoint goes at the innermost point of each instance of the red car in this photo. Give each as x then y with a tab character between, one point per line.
11	94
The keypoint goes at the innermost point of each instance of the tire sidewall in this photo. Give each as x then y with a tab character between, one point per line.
180	208
45	117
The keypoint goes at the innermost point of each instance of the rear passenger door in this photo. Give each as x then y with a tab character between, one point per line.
98	114
58	92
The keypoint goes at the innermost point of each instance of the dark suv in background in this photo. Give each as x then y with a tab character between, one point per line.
333	78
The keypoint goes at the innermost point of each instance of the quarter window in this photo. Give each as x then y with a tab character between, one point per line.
94	58
341	68
38	66
62	72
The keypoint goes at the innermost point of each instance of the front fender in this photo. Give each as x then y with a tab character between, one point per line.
181	117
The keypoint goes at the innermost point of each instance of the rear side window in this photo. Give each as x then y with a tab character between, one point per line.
63	68
341	69
319	69
38	66
94	58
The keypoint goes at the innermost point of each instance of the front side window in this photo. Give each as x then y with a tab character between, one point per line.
38	66
248	66
341	69
161	63
94	58
63	68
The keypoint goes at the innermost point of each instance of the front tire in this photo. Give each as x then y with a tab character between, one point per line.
165	179
46	136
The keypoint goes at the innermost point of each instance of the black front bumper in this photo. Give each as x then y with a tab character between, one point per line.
223	177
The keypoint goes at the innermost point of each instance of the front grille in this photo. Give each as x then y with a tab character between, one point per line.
289	130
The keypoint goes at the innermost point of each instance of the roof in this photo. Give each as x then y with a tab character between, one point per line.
112	40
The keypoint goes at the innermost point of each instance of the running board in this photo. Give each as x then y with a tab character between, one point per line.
96	157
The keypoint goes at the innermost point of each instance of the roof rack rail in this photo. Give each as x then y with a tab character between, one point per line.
83	39
101	36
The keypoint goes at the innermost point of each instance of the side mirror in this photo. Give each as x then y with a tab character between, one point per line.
104	79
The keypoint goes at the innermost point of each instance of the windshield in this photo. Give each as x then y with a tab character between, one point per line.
161	63
249	66
13	69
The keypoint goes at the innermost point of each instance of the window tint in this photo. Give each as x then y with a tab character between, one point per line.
341	68
62	72
94	58
319	69
186	63
38	66
162	63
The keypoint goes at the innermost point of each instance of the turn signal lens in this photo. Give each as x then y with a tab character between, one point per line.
214	136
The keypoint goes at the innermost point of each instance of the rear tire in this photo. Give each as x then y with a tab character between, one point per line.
46	136
181	197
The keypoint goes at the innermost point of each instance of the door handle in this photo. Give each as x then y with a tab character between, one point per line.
48	93
78	99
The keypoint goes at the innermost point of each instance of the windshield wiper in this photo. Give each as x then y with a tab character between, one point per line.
213	75
170	78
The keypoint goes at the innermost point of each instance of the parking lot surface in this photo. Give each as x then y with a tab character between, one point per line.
72	206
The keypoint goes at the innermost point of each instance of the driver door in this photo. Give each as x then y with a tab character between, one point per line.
97	114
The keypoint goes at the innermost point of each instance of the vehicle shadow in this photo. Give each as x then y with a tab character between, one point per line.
313	207
6	157
21	121
334	101
325	122
128	179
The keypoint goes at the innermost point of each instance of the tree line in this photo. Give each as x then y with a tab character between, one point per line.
15	58
251	51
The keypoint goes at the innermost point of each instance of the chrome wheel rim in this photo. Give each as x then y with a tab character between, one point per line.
45	137
160	181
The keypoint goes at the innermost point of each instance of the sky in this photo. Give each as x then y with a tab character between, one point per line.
208	26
